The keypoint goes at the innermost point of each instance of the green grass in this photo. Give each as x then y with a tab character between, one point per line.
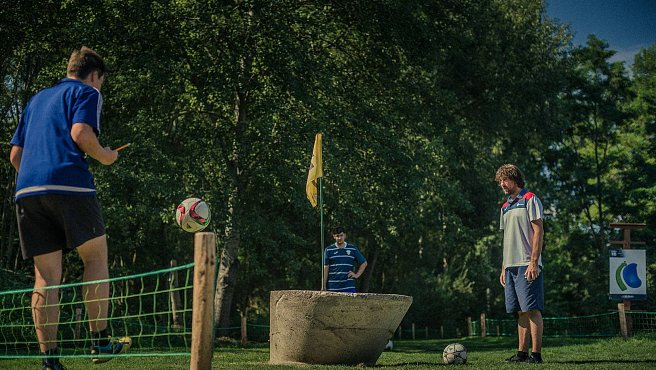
484	353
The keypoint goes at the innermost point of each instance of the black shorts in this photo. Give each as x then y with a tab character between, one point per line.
52	222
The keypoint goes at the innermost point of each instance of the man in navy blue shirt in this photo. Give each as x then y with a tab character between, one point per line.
339	264
56	203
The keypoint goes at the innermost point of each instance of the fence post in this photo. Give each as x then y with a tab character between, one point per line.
203	300
442	331
174	295
470	328
624	329
400	331
413	331
78	321
244	328
426	332
483	331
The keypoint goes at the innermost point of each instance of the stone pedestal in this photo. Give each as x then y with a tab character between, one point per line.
318	327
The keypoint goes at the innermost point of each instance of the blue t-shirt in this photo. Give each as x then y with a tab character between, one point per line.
51	162
340	262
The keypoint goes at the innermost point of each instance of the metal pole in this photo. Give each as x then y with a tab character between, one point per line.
321	220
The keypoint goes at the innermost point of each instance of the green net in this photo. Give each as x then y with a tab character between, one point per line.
153	308
600	325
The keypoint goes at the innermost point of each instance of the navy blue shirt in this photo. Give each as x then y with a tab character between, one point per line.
340	262
51	162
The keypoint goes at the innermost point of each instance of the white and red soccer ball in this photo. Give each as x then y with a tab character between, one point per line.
192	215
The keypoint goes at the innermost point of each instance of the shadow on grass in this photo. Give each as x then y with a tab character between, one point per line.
405	364
584	362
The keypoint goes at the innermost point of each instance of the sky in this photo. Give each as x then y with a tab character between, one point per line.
626	25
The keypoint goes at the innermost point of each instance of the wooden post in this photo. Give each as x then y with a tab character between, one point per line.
498	331
470	327
426	332
483	331
174	295
400	330
624	330
413	331
441	331
244	328
203	299
78	321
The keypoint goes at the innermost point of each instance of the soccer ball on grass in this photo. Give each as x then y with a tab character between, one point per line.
454	353
192	215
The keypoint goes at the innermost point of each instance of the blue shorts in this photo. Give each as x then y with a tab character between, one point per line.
521	294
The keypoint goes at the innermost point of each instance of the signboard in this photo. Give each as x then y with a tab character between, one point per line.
628	274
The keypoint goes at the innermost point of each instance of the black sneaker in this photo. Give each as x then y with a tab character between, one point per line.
515	358
534	360
53	366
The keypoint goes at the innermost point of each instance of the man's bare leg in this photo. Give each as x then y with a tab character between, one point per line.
45	302
96	296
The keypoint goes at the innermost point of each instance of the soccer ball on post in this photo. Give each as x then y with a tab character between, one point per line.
454	353
192	215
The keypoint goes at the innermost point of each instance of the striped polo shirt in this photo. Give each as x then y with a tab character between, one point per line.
340	262
515	221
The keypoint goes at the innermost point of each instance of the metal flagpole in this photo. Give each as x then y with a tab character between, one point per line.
321	220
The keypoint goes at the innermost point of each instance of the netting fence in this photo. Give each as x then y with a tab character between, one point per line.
154	309
600	325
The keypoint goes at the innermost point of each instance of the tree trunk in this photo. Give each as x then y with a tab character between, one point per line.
229	266
227	279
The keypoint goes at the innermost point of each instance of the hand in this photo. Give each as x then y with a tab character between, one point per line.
502	278
532	271
353	275
110	156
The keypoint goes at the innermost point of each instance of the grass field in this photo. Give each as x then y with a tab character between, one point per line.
484	353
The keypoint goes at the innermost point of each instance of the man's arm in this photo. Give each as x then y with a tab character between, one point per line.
533	269
85	138
356	275
15	156
325	277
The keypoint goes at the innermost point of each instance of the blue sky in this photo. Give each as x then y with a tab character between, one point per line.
627	25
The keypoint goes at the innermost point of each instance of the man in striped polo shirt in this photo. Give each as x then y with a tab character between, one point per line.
521	272
339	264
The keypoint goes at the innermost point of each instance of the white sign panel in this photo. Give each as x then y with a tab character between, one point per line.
628	274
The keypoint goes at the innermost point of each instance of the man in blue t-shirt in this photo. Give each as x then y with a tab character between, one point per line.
339	262
56	203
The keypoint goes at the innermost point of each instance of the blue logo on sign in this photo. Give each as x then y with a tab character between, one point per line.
627	275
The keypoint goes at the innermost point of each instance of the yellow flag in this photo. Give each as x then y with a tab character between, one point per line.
316	171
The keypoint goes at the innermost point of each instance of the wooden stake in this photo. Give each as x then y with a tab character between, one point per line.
203	309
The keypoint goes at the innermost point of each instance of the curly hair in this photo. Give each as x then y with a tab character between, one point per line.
512	172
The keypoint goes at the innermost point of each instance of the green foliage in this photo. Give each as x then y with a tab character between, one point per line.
419	103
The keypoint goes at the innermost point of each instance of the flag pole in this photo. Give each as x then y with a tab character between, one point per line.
321	220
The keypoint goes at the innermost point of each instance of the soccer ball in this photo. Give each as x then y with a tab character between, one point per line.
389	346
454	353
192	215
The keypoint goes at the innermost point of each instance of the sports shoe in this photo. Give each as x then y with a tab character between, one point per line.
516	358
53	366
115	347
533	360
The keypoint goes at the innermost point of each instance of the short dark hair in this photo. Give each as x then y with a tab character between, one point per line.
338	230
84	61
512	172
